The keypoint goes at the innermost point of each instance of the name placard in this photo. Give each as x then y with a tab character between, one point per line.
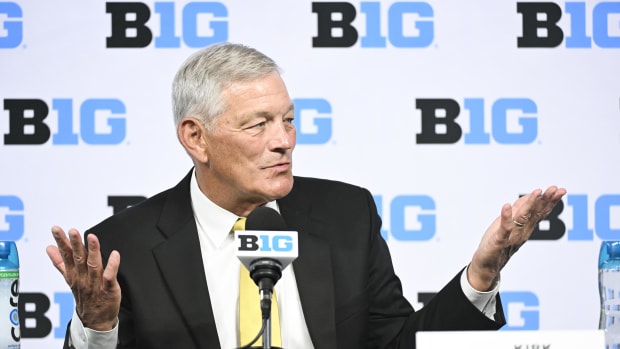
551	339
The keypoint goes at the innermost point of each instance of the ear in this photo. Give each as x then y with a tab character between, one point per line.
191	133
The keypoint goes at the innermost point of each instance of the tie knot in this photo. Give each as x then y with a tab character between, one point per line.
239	224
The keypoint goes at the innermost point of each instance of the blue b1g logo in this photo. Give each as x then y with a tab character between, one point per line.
11	218
27	124
412	217
604	208
521	310
135	33
11	30
265	243
33	310
440	125
313	120
335	24
541	24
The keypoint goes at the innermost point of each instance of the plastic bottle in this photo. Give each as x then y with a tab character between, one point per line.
9	293
609	289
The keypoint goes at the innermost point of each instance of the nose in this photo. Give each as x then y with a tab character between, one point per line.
282	137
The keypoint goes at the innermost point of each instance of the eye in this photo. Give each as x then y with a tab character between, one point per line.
258	125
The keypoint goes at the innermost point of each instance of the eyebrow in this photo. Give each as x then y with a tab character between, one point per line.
291	108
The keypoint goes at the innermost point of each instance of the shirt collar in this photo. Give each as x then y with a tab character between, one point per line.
215	221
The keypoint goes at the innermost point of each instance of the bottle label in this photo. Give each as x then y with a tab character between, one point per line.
9	316
9	275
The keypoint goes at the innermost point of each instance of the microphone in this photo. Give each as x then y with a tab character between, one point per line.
265	248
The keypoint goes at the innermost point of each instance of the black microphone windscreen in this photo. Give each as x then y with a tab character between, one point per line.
265	218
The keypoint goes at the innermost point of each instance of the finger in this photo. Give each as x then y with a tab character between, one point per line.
533	199
519	227
525	208
93	261
55	256
507	226
559	194
64	247
553	195
111	271
79	252
548	201
537	201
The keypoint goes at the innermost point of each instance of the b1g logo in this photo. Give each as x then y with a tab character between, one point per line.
513	121
129	24
11	25
409	24
313	120
521	310
33	318
412	217
265	243
541	25
27	124
554	228
11	218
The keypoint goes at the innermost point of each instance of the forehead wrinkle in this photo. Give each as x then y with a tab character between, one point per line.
264	113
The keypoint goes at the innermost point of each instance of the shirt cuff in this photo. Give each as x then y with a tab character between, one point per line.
86	338
483	301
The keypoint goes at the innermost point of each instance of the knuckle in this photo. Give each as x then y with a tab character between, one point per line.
92	265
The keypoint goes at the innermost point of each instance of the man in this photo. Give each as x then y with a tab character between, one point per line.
177	286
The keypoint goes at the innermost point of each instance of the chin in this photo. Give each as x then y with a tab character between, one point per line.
281	188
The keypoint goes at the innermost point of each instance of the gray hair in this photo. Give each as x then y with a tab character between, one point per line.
198	85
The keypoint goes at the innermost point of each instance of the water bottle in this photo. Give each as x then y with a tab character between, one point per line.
9	292
609	289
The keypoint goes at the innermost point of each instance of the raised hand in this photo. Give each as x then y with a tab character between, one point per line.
95	289
508	233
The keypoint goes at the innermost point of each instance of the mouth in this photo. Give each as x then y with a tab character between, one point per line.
280	167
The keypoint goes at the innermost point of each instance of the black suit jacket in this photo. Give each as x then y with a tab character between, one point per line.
350	296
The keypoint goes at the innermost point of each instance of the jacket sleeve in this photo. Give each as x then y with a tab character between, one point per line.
392	319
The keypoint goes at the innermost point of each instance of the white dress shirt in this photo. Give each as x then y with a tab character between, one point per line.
222	273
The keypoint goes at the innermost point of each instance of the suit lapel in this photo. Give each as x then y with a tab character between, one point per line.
313	272
180	262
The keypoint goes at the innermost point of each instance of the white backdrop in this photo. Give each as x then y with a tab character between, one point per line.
360	114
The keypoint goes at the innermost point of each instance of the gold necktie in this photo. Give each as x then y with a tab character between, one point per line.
250	320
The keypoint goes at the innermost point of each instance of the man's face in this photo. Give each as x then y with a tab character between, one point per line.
250	147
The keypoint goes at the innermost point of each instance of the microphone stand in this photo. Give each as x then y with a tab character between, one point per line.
266	273
265	296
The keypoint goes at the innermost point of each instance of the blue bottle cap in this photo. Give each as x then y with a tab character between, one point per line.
610	250
8	250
